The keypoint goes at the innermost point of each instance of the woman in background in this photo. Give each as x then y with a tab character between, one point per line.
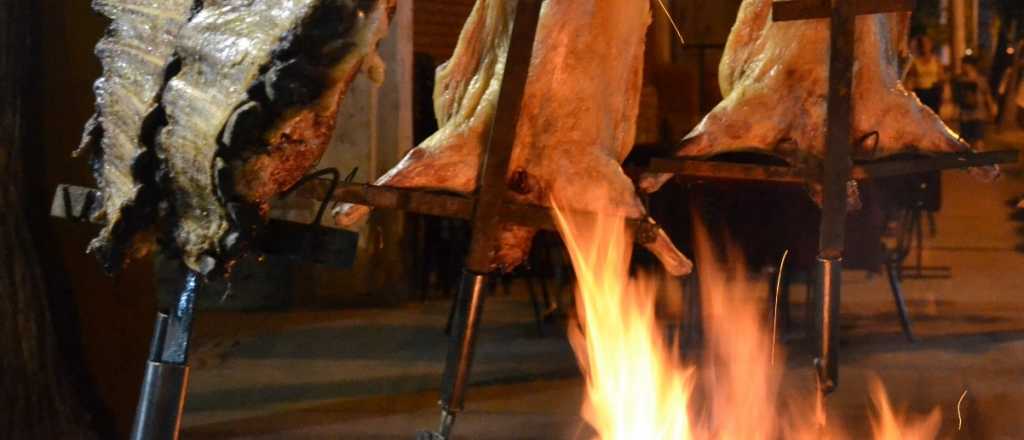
974	99
926	74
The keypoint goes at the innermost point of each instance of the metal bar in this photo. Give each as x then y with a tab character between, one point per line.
837	164
706	170
156	346
489	215
161	402
465	323
835	177
179	325
814	9
415	201
864	170
165	383
493	189
827	285
895	285
898	167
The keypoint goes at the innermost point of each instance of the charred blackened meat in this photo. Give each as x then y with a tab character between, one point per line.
137	56
253	108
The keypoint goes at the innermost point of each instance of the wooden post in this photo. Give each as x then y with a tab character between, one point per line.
959	25
38	398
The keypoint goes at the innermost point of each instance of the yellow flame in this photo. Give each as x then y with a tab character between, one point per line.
623	402
637	385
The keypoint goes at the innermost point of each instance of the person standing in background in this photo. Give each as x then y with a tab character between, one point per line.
926	74
974	99
1011	90
925	77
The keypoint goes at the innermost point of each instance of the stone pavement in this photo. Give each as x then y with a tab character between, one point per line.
374	374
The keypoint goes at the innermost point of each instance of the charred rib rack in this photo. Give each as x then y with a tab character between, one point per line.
253	109
136	53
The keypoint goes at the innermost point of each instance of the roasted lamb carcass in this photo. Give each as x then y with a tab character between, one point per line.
774	77
249	108
137	55
577	122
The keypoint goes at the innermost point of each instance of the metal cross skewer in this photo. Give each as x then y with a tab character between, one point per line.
836	172
487	218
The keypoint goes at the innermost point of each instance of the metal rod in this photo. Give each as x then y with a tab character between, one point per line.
165	382
72	201
489	217
835	177
699	169
493	189
179	326
156	346
461	346
892	270
826	361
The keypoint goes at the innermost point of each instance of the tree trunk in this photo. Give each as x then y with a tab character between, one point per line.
38	398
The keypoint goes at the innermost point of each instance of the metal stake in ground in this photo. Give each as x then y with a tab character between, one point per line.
835	178
487	218
165	384
836	170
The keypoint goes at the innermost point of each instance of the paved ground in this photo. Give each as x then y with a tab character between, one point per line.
373	374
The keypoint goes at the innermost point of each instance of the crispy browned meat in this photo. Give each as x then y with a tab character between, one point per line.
774	76
578	114
135	53
253	108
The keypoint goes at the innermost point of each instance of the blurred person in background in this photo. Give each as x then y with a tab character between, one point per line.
975	101
1011	90
926	73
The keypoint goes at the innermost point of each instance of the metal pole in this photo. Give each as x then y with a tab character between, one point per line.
487	218
835	181
469	306
165	384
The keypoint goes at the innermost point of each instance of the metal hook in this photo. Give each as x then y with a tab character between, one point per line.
335	181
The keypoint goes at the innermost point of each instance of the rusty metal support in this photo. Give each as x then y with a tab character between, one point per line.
468	309
696	169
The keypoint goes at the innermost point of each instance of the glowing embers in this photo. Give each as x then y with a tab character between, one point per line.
637	385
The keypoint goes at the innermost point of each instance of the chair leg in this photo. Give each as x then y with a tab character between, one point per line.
919	238
693	324
897	296
538	311
451	315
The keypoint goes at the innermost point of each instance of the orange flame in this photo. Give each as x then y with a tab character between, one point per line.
637	386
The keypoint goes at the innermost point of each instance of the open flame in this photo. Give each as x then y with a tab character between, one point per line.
638	386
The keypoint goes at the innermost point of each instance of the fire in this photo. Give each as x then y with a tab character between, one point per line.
638	386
